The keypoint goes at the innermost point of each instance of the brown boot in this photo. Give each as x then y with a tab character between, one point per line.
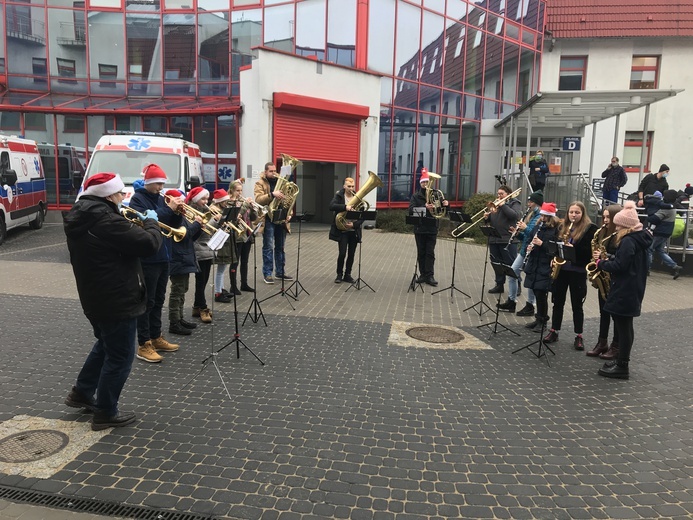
161	345
206	315
196	312
612	353
147	353
599	348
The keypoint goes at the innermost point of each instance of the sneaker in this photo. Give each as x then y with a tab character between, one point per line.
161	345
247	288
498	289
147	353
75	399
527	310
177	328
222	298
677	272
579	344
205	315
338	279
285	277
102	421
348	279
508	306
187	324
551	337
268	280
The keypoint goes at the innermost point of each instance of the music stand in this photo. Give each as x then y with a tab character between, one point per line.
500	269
562	251
542	346
359	283
455	216
416	220
488	231
255	304
297	285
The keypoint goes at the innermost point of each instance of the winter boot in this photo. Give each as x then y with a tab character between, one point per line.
618	370
600	348
611	353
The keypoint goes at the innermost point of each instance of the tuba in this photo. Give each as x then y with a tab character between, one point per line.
558	262
357	203
601	280
136	217
288	188
435	197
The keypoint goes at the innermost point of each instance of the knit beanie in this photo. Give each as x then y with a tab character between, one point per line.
537	197
628	217
670	196
689	190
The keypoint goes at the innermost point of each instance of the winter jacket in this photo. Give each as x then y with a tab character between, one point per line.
503	218
263	196
615	178
338	204
628	270
538	267
105	251
202	250
143	200
183	260
662	221
539	176
428	226
583	250
527	234
650	183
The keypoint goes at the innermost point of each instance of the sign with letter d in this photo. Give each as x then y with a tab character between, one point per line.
571	144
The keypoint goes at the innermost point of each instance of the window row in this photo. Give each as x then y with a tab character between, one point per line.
644	72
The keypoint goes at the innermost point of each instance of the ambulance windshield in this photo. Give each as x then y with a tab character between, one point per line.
129	165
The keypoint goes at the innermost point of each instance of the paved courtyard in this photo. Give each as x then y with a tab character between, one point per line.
349	417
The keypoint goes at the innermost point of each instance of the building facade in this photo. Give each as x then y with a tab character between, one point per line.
417	79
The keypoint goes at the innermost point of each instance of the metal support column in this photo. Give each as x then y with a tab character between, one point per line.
614	150
643	151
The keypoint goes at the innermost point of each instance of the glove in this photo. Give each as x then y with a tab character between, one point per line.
151	214
139	183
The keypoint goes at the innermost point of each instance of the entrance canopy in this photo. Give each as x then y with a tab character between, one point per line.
578	108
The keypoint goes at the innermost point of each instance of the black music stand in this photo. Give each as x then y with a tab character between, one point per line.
488	231
296	285
562	251
455	216
541	344
359	283
500	269
416	220
255	304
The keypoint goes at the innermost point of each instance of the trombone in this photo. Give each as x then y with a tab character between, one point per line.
481	214
137	218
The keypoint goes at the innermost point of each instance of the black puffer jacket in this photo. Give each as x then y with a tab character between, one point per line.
143	200
430	225
538	268
628	269
105	251
338	204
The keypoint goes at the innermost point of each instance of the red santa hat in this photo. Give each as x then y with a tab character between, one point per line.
103	185
196	194
175	193
424	176
153	173
548	209
220	195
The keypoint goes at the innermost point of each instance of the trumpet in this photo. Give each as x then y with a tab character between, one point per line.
481	214
137	218
190	213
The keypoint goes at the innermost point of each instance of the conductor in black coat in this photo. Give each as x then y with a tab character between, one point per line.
348	238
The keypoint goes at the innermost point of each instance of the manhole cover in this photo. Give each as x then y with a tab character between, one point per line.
32	445
434	334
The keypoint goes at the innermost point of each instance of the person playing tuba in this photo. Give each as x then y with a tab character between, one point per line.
346	239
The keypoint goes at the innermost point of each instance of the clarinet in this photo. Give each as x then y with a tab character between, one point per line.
530	246
512	237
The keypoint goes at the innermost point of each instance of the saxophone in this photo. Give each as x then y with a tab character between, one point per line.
559	262
288	188
601	280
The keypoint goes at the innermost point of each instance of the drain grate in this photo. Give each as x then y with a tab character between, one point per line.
89	505
434	334
32	445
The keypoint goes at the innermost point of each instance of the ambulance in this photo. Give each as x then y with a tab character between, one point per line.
22	185
127	154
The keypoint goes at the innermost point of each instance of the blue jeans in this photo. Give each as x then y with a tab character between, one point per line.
155	279
512	283
657	246
108	364
273	257
611	195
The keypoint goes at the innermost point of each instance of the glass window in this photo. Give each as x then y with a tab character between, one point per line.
279	27
112	4
407	42
457	9
183	126
572	73
428	139
9	121
34	121
310	28
511	57
39	69
179	54
435	5
474	61
403	143
66	69
381	35
179	4
139	5
432	43
106	47
468	159
341	32
143	54
644	72
226	134
449	155
632	150
24	35
429	98
386	90
73	124
454	56
246	33
107	72
493	60
213	70
406	94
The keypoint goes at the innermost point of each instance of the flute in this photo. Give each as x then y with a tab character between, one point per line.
512	237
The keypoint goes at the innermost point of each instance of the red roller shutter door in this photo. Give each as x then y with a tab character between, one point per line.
312	137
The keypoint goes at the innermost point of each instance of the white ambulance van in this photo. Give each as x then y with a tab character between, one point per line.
127	153
22	185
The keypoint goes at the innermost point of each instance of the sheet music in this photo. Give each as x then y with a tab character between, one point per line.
217	240
419	212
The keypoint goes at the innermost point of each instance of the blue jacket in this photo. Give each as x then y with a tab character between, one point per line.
141	201
528	233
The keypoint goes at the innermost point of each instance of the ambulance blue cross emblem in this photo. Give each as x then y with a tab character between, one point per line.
139	144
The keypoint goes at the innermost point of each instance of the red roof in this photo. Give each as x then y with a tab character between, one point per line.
619	18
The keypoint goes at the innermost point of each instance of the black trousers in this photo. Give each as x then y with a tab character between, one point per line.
605	322
425	252
626	336
201	280
499	254
577	282
347	250
243	250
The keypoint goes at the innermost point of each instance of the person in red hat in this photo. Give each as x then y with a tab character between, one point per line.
538	267
156	266
198	198
225	256
105	251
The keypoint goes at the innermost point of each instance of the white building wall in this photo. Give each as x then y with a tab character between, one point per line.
275	72
608	68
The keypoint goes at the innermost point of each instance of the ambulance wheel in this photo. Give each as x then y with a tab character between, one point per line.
37	223
3	229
